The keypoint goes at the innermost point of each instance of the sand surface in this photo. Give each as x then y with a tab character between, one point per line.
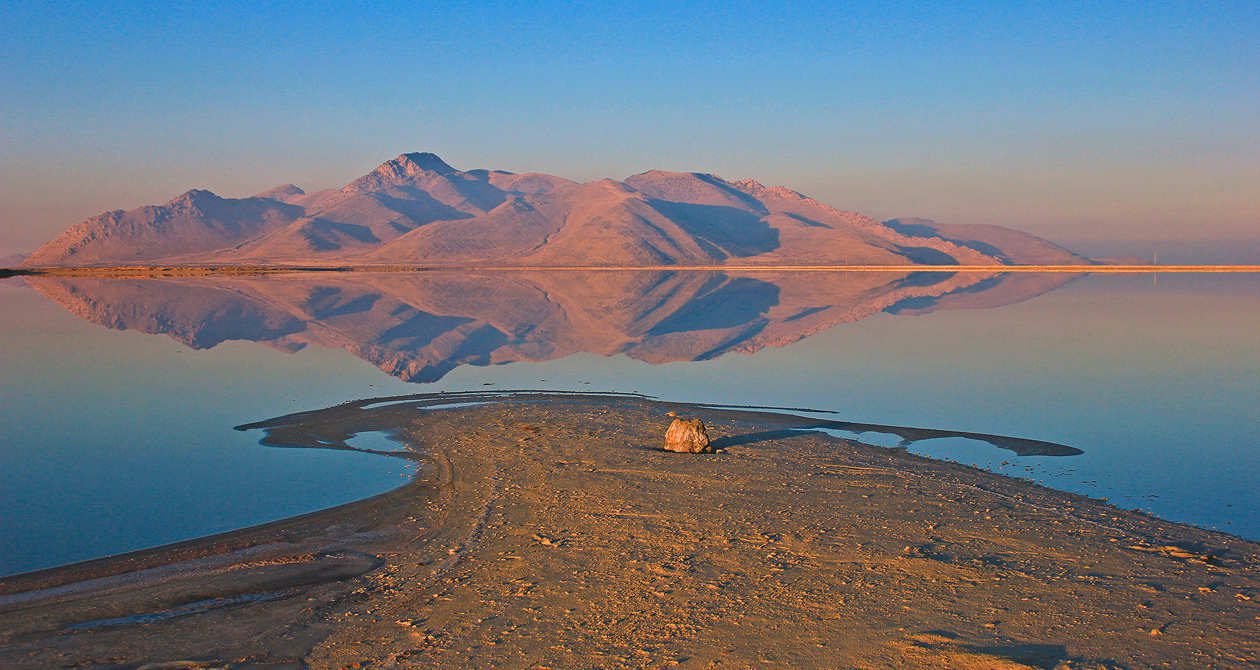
551	531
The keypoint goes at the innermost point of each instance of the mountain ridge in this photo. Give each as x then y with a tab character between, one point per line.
416	208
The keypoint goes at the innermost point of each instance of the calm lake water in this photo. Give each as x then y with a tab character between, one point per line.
118	398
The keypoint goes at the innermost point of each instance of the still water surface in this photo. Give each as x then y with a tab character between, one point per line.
118	397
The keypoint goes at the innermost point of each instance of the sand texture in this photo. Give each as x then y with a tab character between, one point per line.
553	531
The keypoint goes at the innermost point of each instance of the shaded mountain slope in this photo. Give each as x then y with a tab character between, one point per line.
195	222
418	209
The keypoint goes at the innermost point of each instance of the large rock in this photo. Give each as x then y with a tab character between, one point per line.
687	436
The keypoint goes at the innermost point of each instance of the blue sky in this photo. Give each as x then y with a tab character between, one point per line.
1109	125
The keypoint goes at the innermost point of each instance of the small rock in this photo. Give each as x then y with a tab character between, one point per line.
687	436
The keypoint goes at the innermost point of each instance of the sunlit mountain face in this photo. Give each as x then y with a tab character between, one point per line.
417	209
420	326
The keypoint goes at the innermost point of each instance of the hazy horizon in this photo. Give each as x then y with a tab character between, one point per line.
1113	129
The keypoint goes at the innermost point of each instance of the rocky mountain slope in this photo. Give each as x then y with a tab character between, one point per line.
417	209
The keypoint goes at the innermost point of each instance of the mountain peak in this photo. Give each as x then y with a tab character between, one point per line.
756	188
418	161
283	193
194	196
400	169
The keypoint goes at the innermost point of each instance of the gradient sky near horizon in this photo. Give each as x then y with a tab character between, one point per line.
1111	127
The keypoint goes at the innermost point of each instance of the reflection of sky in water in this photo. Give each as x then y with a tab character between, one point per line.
105	433
1050	470
866	437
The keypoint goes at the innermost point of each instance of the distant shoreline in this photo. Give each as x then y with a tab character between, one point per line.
231	270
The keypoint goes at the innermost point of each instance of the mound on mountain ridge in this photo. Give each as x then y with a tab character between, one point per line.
194	223
417	209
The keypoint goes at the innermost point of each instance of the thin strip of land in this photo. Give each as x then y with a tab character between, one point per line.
552	531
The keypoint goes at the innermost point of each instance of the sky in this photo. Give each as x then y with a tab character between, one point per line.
1115	128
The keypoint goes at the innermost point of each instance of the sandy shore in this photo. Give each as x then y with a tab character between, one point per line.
550	531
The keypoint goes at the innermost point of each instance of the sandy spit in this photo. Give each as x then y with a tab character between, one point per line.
552	531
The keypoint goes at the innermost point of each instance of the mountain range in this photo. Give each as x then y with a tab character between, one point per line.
416	209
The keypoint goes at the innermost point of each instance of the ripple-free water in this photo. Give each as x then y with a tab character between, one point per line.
120	437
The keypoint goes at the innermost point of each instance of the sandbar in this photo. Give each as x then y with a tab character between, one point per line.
550	530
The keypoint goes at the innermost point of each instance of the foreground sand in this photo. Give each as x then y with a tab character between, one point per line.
549	531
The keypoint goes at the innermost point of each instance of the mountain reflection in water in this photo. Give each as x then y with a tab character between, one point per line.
420	326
